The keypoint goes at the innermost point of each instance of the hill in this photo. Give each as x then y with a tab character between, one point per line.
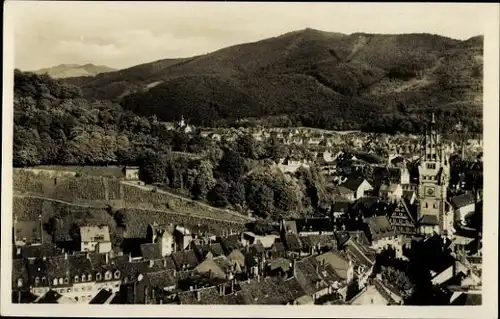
328	80
74	70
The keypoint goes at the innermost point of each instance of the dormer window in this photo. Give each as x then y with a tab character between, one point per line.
107	275
54	282
66	281
20	282
117	274
76	279
61	281
89	277
84	278
98	276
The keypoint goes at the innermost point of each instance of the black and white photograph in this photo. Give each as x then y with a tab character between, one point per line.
250	154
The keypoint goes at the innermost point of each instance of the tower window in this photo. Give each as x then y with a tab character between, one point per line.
434	205
426	205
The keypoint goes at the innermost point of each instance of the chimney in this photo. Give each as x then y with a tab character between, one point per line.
129	257
65	256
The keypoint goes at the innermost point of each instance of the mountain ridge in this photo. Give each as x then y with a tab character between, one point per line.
326	75
73	70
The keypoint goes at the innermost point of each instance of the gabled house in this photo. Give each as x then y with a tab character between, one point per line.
355	187
391	192
95	238
27	232
217	267
317	276
382	235
463	205
308	226
163	236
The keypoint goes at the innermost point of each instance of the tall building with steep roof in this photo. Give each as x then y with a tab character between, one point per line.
434	172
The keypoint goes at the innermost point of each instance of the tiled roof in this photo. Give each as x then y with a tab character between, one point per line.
309	269
52	296
429	220
318	240
230	243
338	263
278	247
353	183
265	291
33	251
151	251
185	258
282	263
379	227
341	207
161	279
360	254
29	231
237	256
102	296
462	200
19	271
94	233
293	242
314	225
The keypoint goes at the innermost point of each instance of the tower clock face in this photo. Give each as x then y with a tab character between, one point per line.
429	191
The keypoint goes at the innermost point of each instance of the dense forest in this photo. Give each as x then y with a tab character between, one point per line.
371	82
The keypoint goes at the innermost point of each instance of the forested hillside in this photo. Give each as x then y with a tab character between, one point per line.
54	125
383	83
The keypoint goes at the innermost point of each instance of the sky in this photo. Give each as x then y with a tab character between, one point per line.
124	34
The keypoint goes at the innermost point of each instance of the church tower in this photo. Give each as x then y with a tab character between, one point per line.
434	172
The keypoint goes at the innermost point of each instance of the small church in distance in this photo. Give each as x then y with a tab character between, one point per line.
434	174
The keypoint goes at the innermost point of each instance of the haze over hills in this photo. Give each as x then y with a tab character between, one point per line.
314	78
74	70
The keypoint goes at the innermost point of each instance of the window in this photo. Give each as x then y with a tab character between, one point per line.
61	281
426	205
434	205
89	277
66	280
98	276
431	165
107	275
84	278
20	282
55	282
117	274
76	278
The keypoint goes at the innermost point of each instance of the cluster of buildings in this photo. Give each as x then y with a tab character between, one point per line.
321	260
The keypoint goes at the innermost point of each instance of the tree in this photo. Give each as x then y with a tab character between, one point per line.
121	219
232	166
204	180
153	169
237	194
219	193
260	198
